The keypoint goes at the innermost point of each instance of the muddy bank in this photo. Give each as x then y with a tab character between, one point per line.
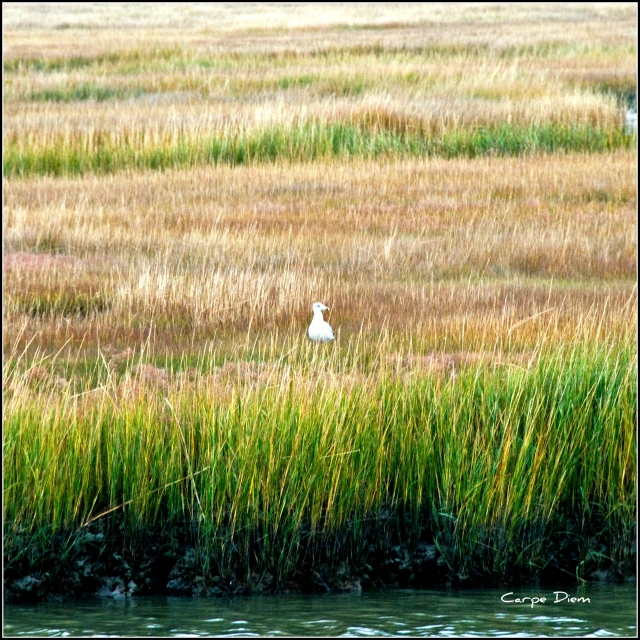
109	560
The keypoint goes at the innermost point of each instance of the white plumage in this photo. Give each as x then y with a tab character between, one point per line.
319	330
631	122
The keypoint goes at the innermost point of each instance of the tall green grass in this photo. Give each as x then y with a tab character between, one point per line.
103	153
493	462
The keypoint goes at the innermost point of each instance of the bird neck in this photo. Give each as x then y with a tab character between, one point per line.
317	314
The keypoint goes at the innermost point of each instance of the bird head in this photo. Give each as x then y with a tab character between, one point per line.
318	306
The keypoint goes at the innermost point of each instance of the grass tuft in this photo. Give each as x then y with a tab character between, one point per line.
290	457
104	153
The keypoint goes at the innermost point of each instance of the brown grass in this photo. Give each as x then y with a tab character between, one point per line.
451	253
430	68
238	26
443	250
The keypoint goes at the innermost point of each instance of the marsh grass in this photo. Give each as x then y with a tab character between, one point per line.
453	252
107	153
83	92
63	302
463	197
293	453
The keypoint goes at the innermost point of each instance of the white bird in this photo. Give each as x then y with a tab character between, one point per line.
631	122
319	330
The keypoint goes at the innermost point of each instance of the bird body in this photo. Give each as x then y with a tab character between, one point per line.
319	330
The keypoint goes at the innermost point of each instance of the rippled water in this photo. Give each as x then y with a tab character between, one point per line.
611	611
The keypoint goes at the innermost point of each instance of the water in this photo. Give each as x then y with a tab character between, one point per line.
611	612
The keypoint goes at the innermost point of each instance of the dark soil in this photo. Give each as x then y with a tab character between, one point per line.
107	559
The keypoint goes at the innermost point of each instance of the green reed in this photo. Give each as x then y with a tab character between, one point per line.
104	153
491	461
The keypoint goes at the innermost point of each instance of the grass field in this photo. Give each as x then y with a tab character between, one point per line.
457	186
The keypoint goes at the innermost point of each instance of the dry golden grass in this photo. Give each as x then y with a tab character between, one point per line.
430	68
24	23
450	252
